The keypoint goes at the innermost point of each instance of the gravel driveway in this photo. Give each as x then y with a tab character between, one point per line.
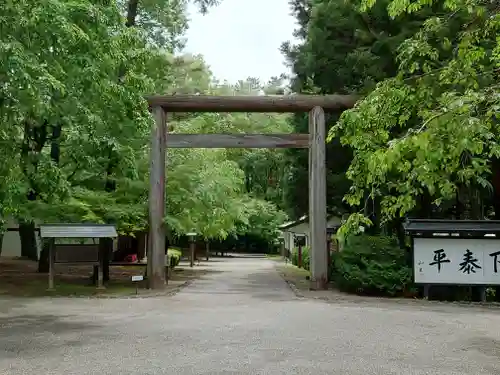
243	319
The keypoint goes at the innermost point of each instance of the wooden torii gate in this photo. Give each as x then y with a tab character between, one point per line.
314	140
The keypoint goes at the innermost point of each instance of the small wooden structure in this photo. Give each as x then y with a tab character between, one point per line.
76	254
301	227
315	140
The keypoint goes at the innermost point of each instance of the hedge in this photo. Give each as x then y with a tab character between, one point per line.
305	257
371	265
175	257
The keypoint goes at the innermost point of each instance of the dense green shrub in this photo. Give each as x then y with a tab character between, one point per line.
175	257
294	256
371	265
305	257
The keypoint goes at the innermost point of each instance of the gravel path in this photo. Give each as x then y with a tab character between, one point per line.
243	319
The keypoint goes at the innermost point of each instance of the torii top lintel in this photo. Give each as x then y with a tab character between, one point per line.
246	103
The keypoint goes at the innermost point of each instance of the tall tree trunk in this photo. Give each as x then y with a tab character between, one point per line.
105	253
425	207
133	9
248	182
110	184
28	240
371	211
55	155
106	250
396	227
459	206
33	143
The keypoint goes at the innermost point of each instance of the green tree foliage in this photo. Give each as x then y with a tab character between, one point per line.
60	91
75	129
306	257
246	185
425	140
340	50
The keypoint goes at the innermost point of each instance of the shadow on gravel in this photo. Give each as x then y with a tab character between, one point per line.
33	324
297	278
42	333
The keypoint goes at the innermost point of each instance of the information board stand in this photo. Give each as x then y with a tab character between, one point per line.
455	252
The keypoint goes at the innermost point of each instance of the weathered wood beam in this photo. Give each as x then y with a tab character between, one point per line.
244	103
157	233
317	199
238	141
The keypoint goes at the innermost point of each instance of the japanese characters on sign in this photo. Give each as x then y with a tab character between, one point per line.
443	260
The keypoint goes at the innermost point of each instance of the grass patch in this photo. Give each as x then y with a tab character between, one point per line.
295	275
19	278
274	256
63	288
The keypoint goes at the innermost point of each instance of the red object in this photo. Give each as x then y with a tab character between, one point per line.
132	258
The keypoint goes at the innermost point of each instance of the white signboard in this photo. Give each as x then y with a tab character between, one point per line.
456	261
137	278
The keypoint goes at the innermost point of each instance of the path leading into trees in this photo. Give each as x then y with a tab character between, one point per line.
243	319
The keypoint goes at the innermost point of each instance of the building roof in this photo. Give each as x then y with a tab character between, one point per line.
478	227
77	231
305	219
291	224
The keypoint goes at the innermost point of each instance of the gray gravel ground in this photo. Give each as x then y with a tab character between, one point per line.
243	319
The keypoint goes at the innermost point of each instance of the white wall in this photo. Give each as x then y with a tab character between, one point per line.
11	245
304	228
288	236
289	233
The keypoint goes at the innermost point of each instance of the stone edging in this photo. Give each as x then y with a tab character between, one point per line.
144	294
147	294
395	301
294	289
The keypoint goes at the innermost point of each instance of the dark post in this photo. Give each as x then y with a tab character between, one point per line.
329	251
192	247
51	263
299	255
317	199
157	233
103	261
